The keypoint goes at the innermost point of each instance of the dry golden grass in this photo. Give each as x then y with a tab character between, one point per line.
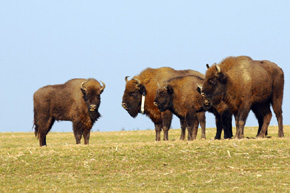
131	161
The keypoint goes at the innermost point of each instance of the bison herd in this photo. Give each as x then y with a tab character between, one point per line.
233	87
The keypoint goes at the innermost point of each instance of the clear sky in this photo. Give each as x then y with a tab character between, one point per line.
50	42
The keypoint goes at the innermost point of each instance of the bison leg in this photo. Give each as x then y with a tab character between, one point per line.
195	128
219	126
183	128
265	112
191	125
42	139
260	111
241	118
78	131
44	125
189	131
86	135
201	120
277	107
277	100
226	120
158	130
166	123
280	124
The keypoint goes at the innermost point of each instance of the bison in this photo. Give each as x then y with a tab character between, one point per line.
180	96
245	84
77	100
140	92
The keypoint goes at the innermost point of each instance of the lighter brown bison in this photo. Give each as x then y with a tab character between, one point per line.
77	100
140	92
245	84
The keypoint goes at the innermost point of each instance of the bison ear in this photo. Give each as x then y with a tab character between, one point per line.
169	89
142	89
83	88
199	89
221	76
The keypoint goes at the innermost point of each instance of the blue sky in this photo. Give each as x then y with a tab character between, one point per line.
50	42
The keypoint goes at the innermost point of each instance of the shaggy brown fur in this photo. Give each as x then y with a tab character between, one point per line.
180	96
77	100
146	83
245	84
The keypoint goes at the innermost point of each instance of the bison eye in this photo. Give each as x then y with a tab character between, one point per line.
212	81
134	94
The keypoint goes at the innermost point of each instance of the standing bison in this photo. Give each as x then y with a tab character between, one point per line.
245	84
77	100
140	92
180	96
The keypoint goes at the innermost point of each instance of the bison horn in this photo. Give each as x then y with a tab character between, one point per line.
218	69
83	86
207	65
126	78
104	86
138	81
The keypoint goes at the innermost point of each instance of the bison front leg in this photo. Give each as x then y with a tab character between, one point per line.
183	128
219	127
166	123
86	135
78	131
158	128
201	120
226	119
241	118
190	128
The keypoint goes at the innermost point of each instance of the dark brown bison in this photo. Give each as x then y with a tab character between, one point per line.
223	119
140	92
245	84
77	100
180	96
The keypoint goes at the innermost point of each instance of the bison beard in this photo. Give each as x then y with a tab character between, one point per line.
94	115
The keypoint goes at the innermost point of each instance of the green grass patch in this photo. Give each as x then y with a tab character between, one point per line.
131	161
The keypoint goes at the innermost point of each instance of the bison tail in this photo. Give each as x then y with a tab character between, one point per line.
35	125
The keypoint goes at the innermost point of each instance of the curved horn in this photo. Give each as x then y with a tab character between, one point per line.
207	65
126	78
104	86
138	81
158	84
218	69
82	86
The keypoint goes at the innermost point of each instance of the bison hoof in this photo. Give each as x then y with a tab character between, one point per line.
260	136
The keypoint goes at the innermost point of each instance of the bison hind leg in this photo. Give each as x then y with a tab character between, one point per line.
42	127
264	115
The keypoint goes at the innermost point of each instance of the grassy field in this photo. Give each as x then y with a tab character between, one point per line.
131	161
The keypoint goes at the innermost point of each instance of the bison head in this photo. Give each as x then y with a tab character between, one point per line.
132	96
214	86
163	98
92	90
